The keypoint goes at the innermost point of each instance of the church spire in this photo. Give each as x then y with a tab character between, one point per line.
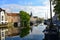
31	14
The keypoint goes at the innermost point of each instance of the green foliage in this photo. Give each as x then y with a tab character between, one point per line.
24	32
25	23
25	18
56	7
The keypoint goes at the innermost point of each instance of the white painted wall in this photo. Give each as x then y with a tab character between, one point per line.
2	13
0	17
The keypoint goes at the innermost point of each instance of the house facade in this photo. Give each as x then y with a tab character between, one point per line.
9	17
3	16
13	18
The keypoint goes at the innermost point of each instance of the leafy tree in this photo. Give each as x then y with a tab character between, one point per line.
56	4
25	23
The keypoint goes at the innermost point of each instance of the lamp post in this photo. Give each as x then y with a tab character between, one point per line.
51	24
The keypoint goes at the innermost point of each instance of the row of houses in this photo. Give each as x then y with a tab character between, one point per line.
9	17
14	18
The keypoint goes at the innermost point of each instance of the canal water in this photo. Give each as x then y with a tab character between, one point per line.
36	34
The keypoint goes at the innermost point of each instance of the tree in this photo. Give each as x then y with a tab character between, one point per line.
25	23
56	7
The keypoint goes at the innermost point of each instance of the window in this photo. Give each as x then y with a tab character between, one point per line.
2	34
2	12
15	24
2	18
3	39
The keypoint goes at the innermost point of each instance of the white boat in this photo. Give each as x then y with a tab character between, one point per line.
41	24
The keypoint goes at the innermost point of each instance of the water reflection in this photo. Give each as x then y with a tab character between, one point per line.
36	34
51	34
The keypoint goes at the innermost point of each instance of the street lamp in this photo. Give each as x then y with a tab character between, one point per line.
51	24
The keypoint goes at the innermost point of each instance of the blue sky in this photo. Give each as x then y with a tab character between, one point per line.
39	8
23	2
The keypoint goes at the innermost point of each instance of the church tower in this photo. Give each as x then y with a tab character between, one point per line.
31	14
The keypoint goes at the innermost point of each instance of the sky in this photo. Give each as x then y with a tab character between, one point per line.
39	8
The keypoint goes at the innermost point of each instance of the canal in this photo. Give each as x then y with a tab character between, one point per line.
36	34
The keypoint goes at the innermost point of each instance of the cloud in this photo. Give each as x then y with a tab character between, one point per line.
25	3
36	10
47	4
40	11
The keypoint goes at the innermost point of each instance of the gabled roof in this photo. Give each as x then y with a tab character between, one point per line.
1	10
12	14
